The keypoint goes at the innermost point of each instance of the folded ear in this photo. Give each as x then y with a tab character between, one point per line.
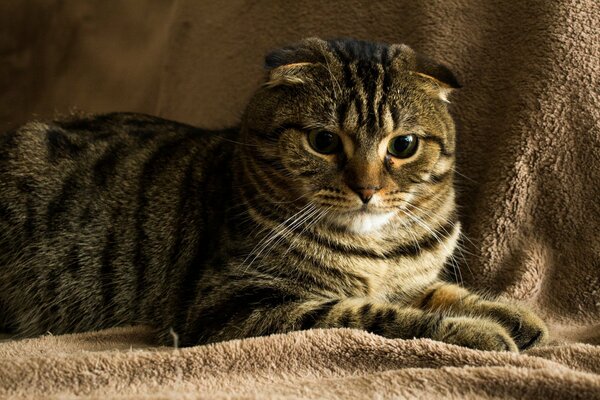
290	74
437	71
436	79
439	79
295	64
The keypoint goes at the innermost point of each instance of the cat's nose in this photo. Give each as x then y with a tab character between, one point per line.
365	194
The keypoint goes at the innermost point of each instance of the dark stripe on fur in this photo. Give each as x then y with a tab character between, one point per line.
73	264
163	154
412	249
341	113
236	308
425	301
26	189
213	222
365	310
105	167
312	317
427	325
107	277
440	142
8	144
350	82
6	214
385	87
30	215
345	320
308	279
370	74
258	201
59	205
307	174
187	201
360	117
380	321
60	146
51	313
345	279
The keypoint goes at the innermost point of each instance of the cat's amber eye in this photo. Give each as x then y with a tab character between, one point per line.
404	146
324	142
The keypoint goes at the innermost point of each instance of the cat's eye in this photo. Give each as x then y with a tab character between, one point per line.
324	142
404	146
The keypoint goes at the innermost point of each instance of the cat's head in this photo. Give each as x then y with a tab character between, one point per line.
358	132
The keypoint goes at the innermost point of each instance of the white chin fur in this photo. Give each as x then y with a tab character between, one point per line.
363	222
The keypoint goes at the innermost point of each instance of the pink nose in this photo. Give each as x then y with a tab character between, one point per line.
365	194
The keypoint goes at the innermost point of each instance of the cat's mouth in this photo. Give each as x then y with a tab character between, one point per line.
368	209
363	219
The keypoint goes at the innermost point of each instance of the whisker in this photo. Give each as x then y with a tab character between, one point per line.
463	175
424	225
276	231
445	220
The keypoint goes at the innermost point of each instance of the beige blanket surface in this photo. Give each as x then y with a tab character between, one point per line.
529	183
335	363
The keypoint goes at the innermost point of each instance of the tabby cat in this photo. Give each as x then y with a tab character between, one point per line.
332	205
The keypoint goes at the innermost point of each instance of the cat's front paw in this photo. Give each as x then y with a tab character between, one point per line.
526	328
479	334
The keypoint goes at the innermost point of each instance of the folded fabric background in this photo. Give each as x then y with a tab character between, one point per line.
529	178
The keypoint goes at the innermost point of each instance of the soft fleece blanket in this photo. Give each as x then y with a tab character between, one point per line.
529	183
318	364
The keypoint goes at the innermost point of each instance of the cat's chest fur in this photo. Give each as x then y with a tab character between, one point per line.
383	270
397	278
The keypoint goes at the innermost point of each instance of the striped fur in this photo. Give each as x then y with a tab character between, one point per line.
126	218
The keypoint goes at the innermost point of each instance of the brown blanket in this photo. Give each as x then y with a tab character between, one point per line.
529	182
318	364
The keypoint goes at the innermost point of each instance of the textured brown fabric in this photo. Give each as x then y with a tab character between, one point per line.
331	364
529	158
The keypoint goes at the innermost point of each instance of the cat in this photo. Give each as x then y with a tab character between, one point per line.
331	205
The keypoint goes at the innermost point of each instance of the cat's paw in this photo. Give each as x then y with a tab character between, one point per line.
479	334
525	328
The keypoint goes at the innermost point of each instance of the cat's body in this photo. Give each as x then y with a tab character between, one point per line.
108	217
332	205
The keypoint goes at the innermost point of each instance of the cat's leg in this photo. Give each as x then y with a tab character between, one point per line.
525	328
406	322
239	317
